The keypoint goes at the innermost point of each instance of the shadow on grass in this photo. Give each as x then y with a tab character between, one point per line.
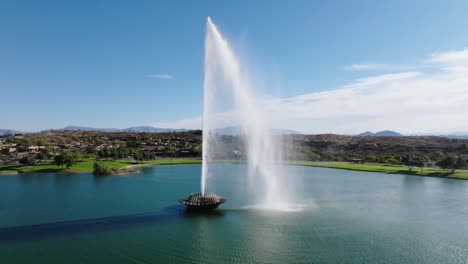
129	162
408	172
47	170
11	167
440	174
430	174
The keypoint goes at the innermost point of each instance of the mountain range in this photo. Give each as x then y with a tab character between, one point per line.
385	133
148	129
7	132
235	130
229	130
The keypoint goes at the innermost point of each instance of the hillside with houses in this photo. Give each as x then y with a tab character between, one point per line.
141	146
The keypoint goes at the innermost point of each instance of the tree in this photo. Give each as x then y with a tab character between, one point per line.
370	159
76	155
69	160
24	142
28	160
437	155
459	164
448	162
59	160
40	142
65	159
41	156
408	161
414	161
420	162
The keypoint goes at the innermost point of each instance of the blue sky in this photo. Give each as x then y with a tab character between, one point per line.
129	63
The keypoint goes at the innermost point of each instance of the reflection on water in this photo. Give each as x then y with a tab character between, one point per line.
191	214
171	213
79	226
33	177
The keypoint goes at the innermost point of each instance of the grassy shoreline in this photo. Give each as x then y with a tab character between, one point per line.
87	166
386	168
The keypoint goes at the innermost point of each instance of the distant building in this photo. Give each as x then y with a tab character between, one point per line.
357	161
8	150
31	149
18	135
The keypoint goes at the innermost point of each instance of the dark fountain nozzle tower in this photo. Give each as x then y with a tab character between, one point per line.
207	201
199	202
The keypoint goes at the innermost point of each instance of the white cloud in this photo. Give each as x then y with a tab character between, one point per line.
450	57
164	76
376	67
407	102
435	101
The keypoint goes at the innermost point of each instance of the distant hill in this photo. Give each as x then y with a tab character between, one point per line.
388	133
7	132
147	129
366	134
457	135
150	129
89	129
323	147
451	135
385	133
285	132
236	130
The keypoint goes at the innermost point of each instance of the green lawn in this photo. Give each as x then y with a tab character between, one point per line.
87	165
385	168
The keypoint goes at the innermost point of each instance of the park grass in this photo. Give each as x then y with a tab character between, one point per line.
386	168
87	165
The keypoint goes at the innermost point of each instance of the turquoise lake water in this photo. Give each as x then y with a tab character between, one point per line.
349	217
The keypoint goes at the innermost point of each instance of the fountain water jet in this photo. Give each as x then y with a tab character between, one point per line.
229	99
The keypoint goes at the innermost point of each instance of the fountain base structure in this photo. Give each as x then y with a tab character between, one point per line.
199	202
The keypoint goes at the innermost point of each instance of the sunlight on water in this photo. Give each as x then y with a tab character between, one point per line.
283	207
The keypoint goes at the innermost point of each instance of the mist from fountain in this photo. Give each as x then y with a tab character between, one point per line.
230	100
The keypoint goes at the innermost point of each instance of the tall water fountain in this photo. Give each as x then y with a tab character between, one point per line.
230	101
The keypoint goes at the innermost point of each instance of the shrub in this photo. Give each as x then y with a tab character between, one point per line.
391	160
371	159
101	169
28	160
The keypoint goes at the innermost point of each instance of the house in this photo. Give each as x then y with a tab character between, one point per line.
31	149
8	150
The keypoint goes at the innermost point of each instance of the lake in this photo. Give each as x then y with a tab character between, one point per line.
347	217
